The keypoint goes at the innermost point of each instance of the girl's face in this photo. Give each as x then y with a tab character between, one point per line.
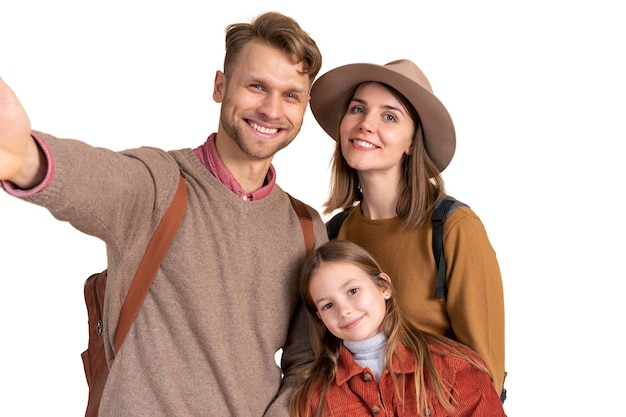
348	301
376	131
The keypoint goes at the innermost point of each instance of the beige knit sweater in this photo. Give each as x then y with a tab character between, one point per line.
222	304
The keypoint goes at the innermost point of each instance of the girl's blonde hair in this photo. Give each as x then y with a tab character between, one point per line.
317	376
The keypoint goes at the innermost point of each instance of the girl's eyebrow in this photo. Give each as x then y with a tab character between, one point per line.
348	283
323	299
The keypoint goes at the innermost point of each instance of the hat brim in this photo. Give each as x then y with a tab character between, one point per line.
329	95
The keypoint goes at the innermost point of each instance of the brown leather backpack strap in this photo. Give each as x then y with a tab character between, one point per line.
151	261
306	222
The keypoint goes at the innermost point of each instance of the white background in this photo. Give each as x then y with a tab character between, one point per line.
536	90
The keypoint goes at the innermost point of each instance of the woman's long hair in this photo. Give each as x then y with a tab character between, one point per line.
421	181
317	376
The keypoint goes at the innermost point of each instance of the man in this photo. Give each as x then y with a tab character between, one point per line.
225	298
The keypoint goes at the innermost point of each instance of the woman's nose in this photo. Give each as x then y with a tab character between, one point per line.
367	124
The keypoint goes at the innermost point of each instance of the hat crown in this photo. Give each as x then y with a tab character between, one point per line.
411	71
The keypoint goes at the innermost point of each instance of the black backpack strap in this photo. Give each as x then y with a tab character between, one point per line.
443	208
334	224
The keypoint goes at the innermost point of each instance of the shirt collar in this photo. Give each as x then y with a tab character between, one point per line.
210	159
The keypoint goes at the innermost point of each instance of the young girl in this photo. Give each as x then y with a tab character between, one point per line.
369	360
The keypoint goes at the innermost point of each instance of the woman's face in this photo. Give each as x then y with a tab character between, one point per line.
348	301
376	131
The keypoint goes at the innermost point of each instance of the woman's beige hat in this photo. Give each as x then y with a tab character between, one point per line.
329	96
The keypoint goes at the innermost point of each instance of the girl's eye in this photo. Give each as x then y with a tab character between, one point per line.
353	291
326	306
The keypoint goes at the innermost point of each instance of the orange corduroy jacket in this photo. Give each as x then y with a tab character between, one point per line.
356	393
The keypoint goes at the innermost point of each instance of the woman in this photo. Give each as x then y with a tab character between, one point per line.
394	138
369	359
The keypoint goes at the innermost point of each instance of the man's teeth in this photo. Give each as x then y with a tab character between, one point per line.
264	130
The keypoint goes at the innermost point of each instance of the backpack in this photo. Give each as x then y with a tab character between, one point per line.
444	206
94	358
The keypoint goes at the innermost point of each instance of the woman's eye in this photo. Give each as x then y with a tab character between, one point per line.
357	109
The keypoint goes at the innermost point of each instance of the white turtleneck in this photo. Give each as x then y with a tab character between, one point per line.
369	353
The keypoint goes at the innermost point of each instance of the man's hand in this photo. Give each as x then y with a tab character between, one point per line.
21	160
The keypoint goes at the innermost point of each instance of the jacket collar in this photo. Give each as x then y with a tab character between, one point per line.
404	362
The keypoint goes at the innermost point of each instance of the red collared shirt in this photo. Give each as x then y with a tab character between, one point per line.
209	158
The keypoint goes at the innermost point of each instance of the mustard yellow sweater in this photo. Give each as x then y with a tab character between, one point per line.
473	311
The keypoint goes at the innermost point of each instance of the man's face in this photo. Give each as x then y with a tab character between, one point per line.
263	102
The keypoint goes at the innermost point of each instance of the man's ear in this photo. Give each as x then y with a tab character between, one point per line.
219	85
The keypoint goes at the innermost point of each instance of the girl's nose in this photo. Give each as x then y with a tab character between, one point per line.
345	310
